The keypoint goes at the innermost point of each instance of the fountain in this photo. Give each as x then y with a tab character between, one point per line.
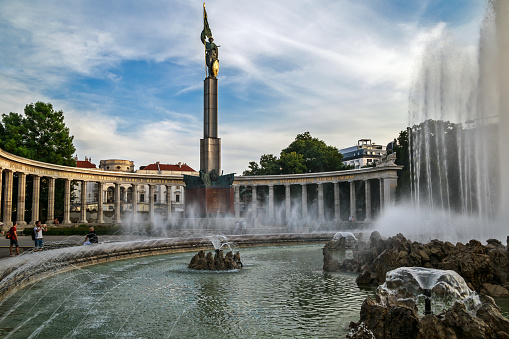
429	290
417	302
458	113
218	262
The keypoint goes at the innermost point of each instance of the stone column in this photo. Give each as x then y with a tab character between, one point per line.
169	189
100	212
124	196
321	210
151	202
381	195
20	208
116	217
134	188
8	198
390	185
304	201
1	170
337	206
353	211
67	199
237	201
51	201
271	202
367	190
83	208
254	201
36	192
288	202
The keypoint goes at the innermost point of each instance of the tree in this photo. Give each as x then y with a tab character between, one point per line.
292	163
39	135
305	154
318	156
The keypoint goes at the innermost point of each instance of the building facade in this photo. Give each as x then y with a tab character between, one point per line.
363	154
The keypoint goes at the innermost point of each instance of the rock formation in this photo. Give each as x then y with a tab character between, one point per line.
216	262
396	321
485	268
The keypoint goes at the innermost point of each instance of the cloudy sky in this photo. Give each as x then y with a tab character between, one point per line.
129	74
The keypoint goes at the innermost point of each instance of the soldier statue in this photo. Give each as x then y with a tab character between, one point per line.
211	49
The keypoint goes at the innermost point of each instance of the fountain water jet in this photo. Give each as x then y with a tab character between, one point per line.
458	113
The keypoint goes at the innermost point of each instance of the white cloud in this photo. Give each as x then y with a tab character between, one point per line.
336	68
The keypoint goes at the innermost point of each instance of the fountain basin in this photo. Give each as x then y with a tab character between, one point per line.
281	293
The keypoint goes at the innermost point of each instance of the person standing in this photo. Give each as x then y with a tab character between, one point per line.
38	229
13	236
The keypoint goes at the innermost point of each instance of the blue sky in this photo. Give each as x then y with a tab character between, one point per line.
129	74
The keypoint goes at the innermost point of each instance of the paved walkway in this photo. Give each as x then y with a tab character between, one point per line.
27	244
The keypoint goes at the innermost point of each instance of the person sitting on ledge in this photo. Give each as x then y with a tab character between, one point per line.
91	237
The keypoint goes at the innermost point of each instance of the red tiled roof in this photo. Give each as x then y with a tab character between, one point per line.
84	164
167	167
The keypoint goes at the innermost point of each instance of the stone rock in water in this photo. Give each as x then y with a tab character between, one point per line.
217	262
477	264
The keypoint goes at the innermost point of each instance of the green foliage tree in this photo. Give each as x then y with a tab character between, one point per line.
304	154
40	134
318	156
292	163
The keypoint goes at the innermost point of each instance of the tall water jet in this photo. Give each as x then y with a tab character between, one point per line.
458	113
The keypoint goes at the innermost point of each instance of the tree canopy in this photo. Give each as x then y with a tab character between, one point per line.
304	155
40	134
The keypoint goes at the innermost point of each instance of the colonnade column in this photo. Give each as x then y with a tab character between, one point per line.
381	195
337	206
134	188
169	189
288	202
36	192
1	170
51	201
321	212
20	208
352	200
67	199
8	198
83	208
116	217
237	201
367	190
100	212
151	189
390	185
271	202
304	201
254	201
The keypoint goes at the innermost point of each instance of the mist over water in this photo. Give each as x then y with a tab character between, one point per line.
459	117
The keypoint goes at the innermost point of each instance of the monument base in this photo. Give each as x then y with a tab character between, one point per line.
209	202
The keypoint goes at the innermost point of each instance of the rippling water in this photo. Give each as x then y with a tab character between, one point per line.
282	292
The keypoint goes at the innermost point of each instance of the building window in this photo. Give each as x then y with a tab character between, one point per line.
370	160
177	198
155	197
142	197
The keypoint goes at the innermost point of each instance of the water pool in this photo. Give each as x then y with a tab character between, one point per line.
282	292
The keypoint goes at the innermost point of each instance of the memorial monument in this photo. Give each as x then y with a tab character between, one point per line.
210	194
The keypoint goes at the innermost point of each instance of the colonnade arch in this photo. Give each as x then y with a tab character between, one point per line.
331	196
